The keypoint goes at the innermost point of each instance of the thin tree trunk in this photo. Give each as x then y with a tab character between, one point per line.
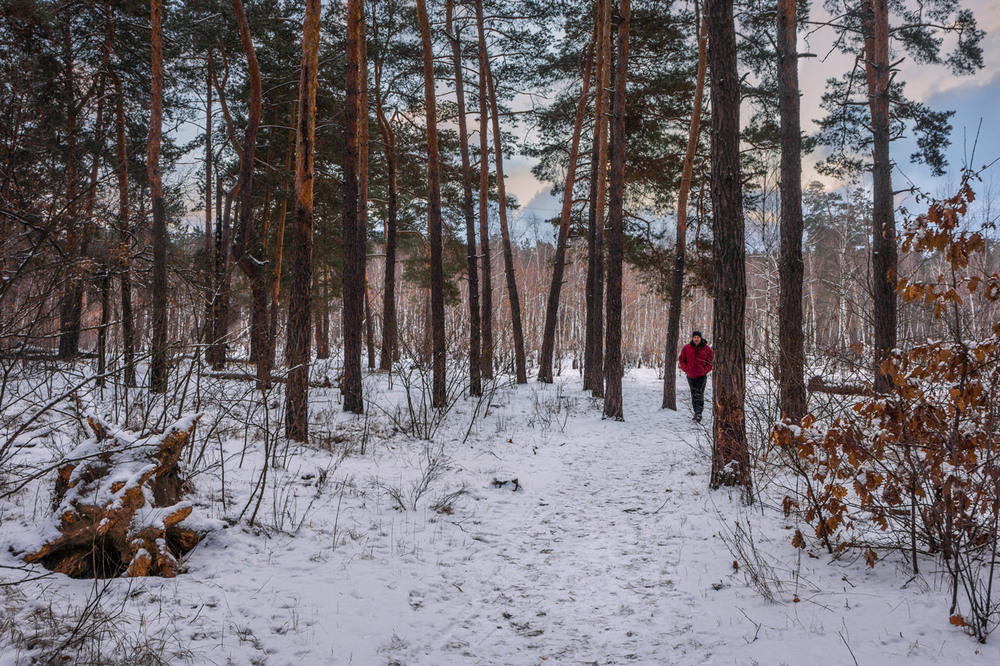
486	321
730	456
520	369
70	308
279	247
613	368
158	358
791	338
322	316
593	359
878	73
680	247
390	332
209	252
221	307
475	337
215	352
559	262
363	137
439	395
102	331
369	325
253	267
124	250
353	233
297	390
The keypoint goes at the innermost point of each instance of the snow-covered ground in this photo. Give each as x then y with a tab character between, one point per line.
611	550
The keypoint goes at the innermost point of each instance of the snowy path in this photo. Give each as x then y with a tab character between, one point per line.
582	565
611	552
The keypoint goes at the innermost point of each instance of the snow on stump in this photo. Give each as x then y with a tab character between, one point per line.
118	506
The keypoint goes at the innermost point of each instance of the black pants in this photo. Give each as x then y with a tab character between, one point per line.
697	385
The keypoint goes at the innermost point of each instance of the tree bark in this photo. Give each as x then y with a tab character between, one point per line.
791	338
730	456
255	268
486	321
70	307
209	233
297	391
321	316
613	369
389	329
520	369
352	231
363	136
104	279
123	251
593	354
279	246
559	261
680	246
215	352
158	357
369	325
877	70
475	336
439	396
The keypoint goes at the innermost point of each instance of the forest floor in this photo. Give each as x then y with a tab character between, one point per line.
373	546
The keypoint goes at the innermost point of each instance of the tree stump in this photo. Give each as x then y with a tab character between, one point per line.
118	506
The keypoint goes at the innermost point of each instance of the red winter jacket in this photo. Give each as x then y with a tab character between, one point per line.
696	361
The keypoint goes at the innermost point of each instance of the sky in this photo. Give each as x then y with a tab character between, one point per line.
974	100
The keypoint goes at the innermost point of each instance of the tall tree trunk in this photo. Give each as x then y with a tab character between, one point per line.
158	357
222	296
877	69
593	358
253	267
124	250
70	306
390	331
89	226
680	246
730	457
475	338
559	262
520	369
613	369
322	313
363	136
104	279
486	357
369	325
219	345
439	395
297	391
279	245
353	233
215	351
209	251
791	337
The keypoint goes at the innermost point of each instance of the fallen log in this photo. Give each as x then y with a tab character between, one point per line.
118	506
818	385
249	377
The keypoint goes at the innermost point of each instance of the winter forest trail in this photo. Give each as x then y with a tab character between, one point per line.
612	550
584	564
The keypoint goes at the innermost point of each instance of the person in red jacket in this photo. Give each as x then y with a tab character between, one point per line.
696	362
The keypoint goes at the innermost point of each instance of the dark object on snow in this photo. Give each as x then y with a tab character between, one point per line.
118	507
497	483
